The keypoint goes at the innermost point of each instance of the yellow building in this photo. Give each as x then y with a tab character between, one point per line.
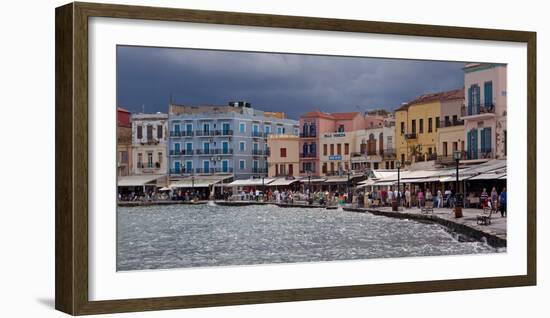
417	125
283	159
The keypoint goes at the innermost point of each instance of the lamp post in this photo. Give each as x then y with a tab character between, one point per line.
457	155
192	186
398	166
308	185
263	189
347	190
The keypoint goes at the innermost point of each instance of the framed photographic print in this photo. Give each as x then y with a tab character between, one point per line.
211	158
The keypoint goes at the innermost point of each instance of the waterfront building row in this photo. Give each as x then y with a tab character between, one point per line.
223	139
471	120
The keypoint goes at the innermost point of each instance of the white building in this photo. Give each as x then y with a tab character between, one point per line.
375	147
149	143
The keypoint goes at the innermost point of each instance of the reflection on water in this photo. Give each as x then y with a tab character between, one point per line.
174	236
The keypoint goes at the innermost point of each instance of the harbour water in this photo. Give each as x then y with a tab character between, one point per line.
179	236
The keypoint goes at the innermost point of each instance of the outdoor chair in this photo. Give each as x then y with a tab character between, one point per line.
485	217
428	207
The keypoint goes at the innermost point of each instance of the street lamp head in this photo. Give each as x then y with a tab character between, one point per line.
398	164
457	155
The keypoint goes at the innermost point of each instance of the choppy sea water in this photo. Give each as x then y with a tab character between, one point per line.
177	236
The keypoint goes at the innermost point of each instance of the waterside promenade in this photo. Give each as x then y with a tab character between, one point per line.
494	233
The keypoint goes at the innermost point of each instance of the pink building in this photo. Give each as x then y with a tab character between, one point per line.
484	114
316	123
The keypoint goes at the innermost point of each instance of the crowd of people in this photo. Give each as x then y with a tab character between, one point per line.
408	198
147	196
440	199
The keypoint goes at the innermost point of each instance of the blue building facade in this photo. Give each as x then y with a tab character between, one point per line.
207	140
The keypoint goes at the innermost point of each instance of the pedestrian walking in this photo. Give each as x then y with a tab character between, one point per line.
439	198
420	197
502	202
429	196
494	198
484	197
407	198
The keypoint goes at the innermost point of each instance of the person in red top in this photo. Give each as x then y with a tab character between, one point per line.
384	196
420	196
484	196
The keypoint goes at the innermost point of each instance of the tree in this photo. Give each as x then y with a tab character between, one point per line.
416	150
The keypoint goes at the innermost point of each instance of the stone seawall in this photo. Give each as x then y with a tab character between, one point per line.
141	203
282	205
492	240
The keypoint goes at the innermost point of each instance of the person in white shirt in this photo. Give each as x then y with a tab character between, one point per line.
407	198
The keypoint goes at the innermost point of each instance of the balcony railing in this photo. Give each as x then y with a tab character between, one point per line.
258	134
212	133
214	151
478	110
201	170
451	123
142	165
179	171
259	170
431	156
411	136
467	155
182	133
342	173
226	132
311	134
308	171
258	152
308	155
182	152
149	141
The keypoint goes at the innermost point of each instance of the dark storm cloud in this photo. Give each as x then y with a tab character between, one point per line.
291	83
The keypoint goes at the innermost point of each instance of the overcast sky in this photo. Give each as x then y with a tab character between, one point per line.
291	83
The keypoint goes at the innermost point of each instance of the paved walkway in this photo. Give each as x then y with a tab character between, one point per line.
497	226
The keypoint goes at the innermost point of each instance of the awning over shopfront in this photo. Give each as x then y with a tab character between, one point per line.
492	165
200	181
493	169
378	174
283	182
366	183
489	176
313	180
251	182
453	178
337	180
141	180
386	183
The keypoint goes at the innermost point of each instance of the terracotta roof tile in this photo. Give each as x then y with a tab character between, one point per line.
334	116
345	115
430	98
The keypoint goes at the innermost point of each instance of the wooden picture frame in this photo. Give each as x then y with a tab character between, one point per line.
71	220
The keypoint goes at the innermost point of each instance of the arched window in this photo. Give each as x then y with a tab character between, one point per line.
371	145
